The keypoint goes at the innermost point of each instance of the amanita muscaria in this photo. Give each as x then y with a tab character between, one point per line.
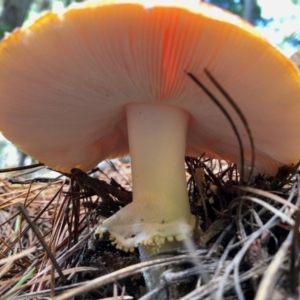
107	78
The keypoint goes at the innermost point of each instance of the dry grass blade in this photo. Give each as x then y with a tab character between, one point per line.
294	254
35	197
42	241
10	260
266	194
228	117
17	256
205	291
96	283
46	293
241	116
272	273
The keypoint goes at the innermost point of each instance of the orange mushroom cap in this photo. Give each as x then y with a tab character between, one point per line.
66	79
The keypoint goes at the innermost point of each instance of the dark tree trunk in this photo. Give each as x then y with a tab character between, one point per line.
22	159
43	5
248	14
14	13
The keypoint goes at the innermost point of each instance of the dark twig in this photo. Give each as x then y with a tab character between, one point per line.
21	168
29	181
42	241
100	187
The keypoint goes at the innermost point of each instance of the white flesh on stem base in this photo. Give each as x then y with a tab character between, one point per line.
160	211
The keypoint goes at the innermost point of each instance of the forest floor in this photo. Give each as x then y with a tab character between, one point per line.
247	248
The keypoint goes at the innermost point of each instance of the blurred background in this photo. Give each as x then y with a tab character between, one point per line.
277	20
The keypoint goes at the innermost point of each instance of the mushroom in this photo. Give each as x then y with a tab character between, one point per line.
107	78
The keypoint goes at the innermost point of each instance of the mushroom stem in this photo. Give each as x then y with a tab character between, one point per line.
157	140
160	210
